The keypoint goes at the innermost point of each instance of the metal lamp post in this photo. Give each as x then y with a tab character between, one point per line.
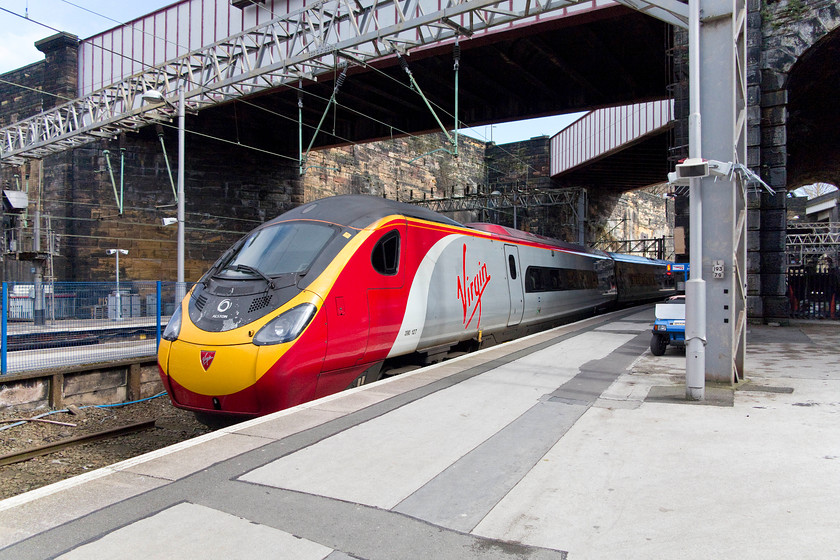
155	96
117	252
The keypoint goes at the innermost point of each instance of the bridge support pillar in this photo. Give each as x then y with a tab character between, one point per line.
723	106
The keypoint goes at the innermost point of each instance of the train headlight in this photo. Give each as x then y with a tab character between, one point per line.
287	326
173	327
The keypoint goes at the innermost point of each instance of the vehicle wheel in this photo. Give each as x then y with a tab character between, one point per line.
658	344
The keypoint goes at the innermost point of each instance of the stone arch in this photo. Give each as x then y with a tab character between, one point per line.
813	124
795	36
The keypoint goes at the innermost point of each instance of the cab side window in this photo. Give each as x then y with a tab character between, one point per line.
385	257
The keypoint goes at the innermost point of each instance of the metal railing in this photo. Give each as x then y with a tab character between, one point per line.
76	323
808	243
814	292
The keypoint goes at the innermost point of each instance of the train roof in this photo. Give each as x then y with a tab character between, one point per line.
359	211
528	237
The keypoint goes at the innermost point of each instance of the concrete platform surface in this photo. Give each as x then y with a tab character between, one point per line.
572	443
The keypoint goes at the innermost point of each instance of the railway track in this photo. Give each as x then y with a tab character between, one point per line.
20	456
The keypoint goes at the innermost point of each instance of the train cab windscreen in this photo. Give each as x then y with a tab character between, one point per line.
286	248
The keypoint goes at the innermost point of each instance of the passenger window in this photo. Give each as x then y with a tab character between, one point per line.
386	254
512	264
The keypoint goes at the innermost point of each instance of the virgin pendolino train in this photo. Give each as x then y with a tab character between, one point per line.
339	291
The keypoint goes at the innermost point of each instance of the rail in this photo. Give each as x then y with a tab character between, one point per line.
19	456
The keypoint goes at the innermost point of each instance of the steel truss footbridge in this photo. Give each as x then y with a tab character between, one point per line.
301	45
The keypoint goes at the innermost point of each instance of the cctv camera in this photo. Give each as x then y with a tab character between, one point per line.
693	167
169	221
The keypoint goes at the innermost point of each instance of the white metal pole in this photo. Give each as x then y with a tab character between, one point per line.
695	289
180	287
119	301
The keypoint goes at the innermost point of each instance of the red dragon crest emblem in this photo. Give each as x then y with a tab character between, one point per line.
207	358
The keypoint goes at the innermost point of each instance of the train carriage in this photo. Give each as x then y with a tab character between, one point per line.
333	291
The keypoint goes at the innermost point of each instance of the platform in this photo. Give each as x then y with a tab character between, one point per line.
572	443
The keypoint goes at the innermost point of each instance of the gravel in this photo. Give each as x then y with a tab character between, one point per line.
171	426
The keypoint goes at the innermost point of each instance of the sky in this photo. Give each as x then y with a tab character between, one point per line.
85	18
82	18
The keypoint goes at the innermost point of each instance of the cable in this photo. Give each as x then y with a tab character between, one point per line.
126	24
51	412
350	109
442	109
141	209
129	402
21	86
119	54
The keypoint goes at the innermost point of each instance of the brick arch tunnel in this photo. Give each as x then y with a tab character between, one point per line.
813	131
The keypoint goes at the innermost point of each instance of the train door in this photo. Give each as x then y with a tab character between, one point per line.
514	276
387	291
364	310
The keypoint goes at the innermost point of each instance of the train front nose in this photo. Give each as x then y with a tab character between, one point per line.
213	378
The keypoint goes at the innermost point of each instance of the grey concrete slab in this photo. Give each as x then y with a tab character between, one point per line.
193	531
352	400
645	314
755	480
491	443
278	426
364	532
805	345
444	427
626	326
340	556
192	459
23	516
459	497
676	394
666	481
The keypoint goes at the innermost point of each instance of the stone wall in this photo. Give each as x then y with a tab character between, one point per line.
641	214
404	169
523	165
525	168
16	102
228	192
45	84
26	92
789	29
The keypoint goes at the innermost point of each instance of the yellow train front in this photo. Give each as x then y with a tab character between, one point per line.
248	337
302	307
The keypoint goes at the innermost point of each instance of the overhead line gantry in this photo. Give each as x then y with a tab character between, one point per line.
304	44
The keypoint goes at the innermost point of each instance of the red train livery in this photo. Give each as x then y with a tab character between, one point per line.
339	291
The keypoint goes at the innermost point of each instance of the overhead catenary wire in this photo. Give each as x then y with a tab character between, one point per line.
352	110
359	113
51	28
456	53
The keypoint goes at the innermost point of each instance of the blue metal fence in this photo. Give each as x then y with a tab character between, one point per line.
75	323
